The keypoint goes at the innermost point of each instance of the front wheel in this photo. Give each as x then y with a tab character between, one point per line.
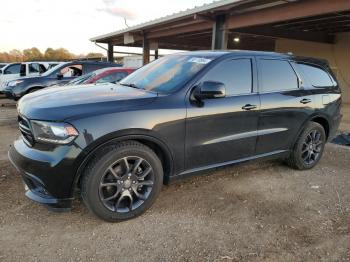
122	181
308	148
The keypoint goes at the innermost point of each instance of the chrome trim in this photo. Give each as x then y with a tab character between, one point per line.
245	135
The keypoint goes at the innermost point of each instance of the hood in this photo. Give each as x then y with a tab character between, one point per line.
73	102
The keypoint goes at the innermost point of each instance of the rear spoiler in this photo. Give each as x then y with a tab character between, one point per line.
317	61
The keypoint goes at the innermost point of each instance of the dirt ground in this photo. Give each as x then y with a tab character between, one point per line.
261	211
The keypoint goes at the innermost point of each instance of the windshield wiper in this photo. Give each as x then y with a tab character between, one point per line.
130	85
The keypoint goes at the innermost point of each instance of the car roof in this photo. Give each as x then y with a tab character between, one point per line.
219	53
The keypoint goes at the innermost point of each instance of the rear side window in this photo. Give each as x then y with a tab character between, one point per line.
235	74
34	68
317	76
277	75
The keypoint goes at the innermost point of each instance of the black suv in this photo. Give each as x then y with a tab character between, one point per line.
59	74
176	116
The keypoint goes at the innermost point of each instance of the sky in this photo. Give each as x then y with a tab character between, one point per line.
71	23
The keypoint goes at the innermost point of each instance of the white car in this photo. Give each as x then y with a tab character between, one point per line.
16	70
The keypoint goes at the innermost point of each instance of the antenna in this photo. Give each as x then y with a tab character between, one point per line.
125	22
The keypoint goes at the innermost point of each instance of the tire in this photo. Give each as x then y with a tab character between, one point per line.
308	148
122	181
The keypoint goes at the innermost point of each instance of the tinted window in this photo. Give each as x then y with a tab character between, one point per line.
277	75
168	73
42	68
235	74
33	68
13	69
90	68
71	71
316	75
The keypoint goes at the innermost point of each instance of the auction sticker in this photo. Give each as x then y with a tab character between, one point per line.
199	60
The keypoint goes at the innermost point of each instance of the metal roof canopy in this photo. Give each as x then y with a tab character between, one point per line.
211	25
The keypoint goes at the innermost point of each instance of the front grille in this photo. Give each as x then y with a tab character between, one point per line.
24	127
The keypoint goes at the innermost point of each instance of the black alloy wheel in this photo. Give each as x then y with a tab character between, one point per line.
122	181
312	147
309	147
126	184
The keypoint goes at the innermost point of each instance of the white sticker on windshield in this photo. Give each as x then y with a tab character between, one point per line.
199	60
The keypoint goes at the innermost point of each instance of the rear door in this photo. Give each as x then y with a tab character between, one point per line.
224	129
285	104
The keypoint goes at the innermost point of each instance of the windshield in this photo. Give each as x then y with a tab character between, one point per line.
167	74
81	79
51	70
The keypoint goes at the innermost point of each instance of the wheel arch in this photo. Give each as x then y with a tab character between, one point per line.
34	87
318	118
323	122
157	145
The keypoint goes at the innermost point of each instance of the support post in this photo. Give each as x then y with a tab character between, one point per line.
156	54
146	50
220	34
110	57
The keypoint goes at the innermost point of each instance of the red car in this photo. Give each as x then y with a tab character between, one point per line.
104	75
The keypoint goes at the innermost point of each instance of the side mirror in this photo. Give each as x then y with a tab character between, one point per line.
59	76
210	90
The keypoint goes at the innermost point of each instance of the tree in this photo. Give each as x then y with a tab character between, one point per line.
94	55
15	55
32	54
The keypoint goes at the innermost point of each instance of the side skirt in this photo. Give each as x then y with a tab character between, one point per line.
202	170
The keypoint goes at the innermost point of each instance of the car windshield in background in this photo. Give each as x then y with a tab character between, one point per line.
81	79
53	69
167	74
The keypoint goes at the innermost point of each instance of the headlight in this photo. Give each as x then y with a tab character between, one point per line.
14	83
52	132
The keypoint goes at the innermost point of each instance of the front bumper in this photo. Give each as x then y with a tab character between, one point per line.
47	173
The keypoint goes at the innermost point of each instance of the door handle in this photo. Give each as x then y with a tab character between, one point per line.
248	107
305	101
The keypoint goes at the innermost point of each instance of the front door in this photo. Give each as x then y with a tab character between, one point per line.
224	129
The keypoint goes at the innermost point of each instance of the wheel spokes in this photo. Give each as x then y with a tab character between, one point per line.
112	171
136	165
113	196
126	165
146	183
140	196
144	173
126	184
109	184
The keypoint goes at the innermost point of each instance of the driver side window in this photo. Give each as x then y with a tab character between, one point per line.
235	74
71	71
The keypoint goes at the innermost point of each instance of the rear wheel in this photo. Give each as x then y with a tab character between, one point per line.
309	147
122	181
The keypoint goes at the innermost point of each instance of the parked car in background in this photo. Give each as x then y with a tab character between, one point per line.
59	74
104	75
177	116
2	65
16	70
